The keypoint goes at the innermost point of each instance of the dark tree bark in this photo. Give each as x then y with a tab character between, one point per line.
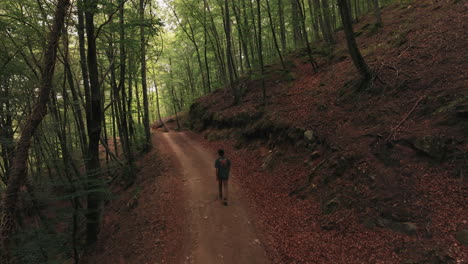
296	23
255	35
174	99
197	49
273	32
355	4
120	107
83	60
144	86
319	17
259	48
376	8
219	52
242	39
138	101
304	31
76	101
6	130
205	50
94	124
128	110
282	25
158	108
229	57
314	17
356	56
17	173
327	22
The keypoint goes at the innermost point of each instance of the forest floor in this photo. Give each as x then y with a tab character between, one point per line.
339	175
178	217
147	222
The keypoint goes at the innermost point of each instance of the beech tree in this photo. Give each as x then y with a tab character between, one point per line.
92	104
17	173
356	56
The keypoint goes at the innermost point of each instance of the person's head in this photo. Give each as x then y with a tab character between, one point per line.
221	152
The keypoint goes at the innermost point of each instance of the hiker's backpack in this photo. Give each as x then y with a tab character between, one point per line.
223	163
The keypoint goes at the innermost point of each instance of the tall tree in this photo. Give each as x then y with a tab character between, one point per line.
17	173
259	48
205	48
242	38
94	125
174	99
356	56
304	32
327	22
378	16
282	25
144	86
296	24
120	105
229	55
273	32
314	20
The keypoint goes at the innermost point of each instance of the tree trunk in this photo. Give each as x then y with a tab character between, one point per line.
83	60
356	11
94	124
231	68
158	109
358	60
297	33
242	40
205	51
304	30
282	25
120	107
76	102
17	173
197	50
314	19
318	14
144	86
260	53
273	32
218	48
131	123
6	131
378	17
174	99
327	21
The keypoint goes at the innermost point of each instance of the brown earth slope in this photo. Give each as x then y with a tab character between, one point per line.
344	176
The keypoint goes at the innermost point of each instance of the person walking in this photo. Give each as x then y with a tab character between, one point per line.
222	165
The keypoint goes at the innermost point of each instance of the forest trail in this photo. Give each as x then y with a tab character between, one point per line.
218	233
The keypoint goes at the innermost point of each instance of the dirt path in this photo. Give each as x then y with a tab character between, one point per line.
218	234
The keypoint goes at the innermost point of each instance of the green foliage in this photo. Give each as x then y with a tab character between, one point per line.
451	105
325	51
288	76
139	138
41	246
371	29
398	38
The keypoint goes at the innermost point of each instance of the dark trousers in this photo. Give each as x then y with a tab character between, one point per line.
223	184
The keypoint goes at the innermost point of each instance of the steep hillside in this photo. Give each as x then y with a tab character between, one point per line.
340	175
